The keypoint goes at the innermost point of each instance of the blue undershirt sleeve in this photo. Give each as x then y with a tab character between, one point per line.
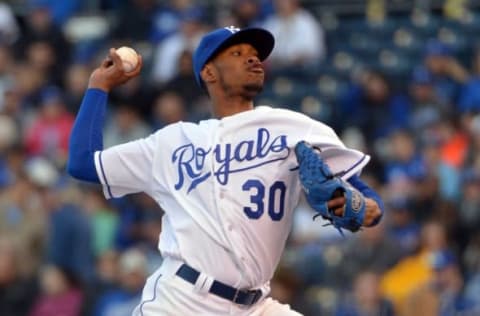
86	137
368	192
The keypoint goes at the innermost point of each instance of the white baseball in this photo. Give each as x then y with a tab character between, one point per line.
129	58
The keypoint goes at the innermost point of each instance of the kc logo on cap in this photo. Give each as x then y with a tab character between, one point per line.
232	29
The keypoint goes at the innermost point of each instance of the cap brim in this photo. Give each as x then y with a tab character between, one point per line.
261	39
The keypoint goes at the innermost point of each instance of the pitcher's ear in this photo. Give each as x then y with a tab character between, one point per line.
208	73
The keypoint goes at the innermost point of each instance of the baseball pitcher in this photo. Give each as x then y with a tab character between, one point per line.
228	185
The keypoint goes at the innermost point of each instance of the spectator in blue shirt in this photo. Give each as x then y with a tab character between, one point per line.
69	240
469	99
448	74
373	106
122	300
366	299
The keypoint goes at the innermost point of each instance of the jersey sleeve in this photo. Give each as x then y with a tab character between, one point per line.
344	162
126	168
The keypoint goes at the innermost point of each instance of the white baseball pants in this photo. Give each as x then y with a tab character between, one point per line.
166	294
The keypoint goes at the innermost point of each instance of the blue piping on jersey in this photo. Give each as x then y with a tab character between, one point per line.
154	295
104	176
344	172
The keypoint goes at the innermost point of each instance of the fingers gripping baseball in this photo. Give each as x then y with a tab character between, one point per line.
329	195
111	72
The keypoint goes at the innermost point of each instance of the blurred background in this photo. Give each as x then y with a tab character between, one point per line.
398	79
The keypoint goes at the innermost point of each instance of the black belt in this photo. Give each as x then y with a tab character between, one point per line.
218	288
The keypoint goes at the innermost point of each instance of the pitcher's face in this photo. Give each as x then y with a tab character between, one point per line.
238	70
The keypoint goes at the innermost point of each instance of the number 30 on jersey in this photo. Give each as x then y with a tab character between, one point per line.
273	197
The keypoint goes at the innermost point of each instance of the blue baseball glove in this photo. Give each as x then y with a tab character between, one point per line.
321	185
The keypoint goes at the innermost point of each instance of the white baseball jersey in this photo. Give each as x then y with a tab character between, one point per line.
228	187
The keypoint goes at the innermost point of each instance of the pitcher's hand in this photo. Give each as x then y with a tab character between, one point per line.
111	74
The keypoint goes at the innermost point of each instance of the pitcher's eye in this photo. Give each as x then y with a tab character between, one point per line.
236	53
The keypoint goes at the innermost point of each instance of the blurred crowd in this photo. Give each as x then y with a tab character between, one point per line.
65	250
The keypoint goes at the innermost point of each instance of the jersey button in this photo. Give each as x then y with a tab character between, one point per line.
230	227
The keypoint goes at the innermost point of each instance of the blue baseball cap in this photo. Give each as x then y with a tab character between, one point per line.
421	75
441	259
219	39
194	14
51	94
434	47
